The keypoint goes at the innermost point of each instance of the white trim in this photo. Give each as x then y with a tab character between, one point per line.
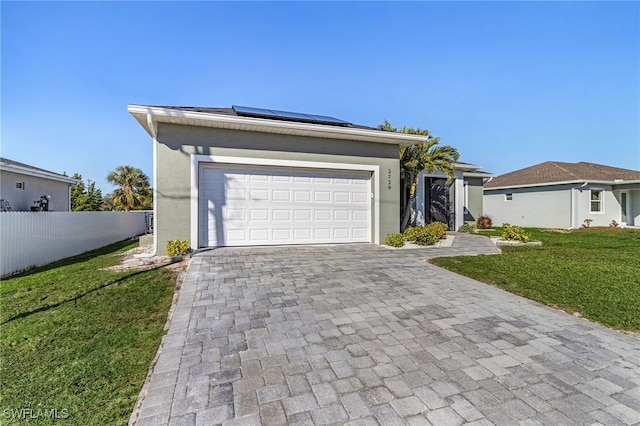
601	200
155	189
465	185
43	174
193	118
567	182
197	159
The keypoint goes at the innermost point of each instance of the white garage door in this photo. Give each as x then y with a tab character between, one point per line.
254	205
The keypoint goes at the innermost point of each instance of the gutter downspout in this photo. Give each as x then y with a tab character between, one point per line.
574	203
154	135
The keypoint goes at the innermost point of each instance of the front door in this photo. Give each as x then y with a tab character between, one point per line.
624	207
436	198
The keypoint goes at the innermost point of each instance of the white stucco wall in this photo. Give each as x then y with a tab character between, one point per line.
610	206
560	206
34	188
530	207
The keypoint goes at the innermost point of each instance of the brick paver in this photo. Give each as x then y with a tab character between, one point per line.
359	334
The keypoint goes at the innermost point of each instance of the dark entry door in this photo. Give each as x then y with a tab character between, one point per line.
436	200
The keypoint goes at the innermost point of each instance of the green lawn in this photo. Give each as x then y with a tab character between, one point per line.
595	272
78	339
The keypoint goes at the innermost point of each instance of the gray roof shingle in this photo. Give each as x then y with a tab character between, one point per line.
555	171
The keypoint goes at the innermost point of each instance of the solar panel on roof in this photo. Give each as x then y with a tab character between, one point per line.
292	115
288	115
327	119
251	111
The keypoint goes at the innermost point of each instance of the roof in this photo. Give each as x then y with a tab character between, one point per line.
555	172
226	118
25	169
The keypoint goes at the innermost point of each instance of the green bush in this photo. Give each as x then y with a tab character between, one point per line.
394	240
438	228
514	233
411	233
467	228
421	235
426	235
177	248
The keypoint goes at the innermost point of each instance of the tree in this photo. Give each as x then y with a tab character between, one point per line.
85	198
133	193
427	156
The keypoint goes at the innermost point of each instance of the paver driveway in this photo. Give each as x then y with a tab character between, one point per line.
359	334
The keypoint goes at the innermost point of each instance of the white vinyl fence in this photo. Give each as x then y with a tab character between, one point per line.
34	239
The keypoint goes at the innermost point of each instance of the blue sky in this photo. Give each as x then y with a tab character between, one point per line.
509	84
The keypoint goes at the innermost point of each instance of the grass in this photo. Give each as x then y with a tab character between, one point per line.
593	272
78	339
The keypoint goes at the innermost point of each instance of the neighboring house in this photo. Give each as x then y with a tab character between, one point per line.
24	186
453	203
563	195
247	176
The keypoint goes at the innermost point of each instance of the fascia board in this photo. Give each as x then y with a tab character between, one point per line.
625	182
165	115
568	182
465	167
536	185
36	173
478	174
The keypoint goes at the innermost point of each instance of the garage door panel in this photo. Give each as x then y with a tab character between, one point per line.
235	215
253	205
320	215
322	196
341	197
342	234
281	215
259	194
234	194
301	196
361	216
262	214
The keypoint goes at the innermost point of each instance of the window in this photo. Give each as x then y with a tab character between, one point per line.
508	197
19	185
596	201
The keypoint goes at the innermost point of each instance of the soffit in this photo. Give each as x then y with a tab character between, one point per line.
221	120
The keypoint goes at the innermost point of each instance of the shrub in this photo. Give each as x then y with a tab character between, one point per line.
514	233
438	228
467	228
394	240
177	247
422	235
484	222
411	233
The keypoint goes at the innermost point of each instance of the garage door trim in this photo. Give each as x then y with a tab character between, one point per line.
196	160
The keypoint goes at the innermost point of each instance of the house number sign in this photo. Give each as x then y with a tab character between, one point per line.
389	180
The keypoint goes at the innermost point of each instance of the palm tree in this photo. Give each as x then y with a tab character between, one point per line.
427	156
133	192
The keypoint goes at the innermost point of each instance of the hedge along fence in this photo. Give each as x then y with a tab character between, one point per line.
31	239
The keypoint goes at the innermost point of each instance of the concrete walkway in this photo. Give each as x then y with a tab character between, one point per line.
363	335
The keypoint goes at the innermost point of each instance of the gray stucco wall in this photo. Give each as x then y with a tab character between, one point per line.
475	205
34	188
177	144
544	207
